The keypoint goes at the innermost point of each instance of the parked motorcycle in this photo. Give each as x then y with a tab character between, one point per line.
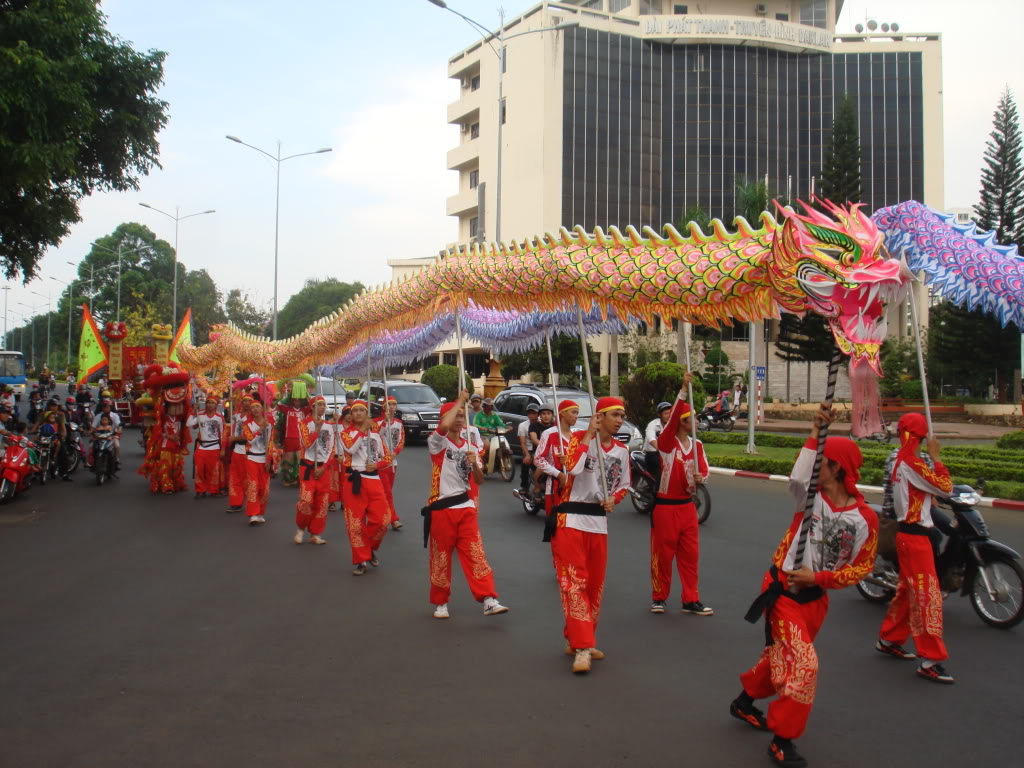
499	452
47	459
644	488
17	471
74	448
709	419
970	562
103	459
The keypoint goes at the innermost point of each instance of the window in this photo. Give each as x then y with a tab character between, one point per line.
617	5
650	7
782	17
474	131
474	228
814	13
680	10
474	179
514	404
474	84
597	5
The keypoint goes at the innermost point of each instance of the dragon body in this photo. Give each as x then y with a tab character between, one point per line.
833	265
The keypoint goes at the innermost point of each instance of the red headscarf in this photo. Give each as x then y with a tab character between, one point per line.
359	404
447	407
844	452
912	429
609	404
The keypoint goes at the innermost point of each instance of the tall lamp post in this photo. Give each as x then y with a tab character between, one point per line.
71	303
500	53
32	356
277	201
49	311
7	295
176	217
92	274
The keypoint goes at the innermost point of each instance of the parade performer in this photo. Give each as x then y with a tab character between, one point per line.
675	531
167	444
236	443
450	519
317	438
367	514
551	450
206	461
917	607
292	409
578	527
472	435
840	551
259	455
393	432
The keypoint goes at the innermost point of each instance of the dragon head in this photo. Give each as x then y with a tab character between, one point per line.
839	269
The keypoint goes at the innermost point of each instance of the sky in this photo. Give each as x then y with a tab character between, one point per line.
368	79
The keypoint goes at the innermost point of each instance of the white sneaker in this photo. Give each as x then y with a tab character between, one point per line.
317	540
441	611
297	538
581	664
256	520
492	607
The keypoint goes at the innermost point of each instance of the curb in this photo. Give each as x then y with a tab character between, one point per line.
986	501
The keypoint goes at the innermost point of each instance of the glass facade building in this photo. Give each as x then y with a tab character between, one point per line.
652	129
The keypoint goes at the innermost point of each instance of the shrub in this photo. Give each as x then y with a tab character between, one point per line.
1012	441
652	384
911	390
443	379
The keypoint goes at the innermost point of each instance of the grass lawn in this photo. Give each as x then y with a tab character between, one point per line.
713	450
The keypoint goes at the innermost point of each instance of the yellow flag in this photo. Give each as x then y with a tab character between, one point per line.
184	332
92	352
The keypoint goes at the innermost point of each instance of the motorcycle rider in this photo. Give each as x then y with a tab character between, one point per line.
107	408
654	427
490	424
527	446
917	607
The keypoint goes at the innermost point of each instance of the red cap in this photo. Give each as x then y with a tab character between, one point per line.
392	400
609	404
566	405
358	403
685	411
447	407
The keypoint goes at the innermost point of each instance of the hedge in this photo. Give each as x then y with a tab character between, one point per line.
1012	441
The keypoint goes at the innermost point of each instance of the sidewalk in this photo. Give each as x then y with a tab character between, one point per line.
943	430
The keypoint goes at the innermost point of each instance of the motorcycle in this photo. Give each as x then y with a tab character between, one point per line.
74	449
532	500
644	488
47	460
500	452
709	419
17	470
970	562
103	459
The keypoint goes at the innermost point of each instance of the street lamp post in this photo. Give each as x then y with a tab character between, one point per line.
32	355
500	53
176	217
49	312
277	202
7	295
71	302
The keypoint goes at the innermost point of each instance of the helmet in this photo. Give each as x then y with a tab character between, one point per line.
70	401
476	396
488	401
663	405
533	408
52	401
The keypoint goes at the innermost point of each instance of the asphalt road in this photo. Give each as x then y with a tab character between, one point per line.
143	630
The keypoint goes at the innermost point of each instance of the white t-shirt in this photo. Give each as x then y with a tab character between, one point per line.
237	422
115	420
256	445
210	430
586	484
654	427
323	448
363	448
450	469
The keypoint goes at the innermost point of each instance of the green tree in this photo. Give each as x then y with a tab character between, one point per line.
804	339
654	383
317	299
717	365
444	380
1001	204
78	113
198	291
840	172
698	216
241	311
969	349
566	354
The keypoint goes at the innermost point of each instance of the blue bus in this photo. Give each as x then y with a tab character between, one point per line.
12	371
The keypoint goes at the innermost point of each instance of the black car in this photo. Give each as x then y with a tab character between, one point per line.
419	407
511	405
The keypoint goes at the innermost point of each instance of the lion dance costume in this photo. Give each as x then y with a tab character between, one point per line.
167	444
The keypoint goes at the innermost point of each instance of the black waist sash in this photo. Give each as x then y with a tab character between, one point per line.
208	443
763	604
913	529
355	477
446	503
570	508
308	466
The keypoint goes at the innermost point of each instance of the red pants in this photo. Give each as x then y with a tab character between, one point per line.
257	488
314	496
236	479
207	470
451	530
580	560
674	535
917	607
332	470
366	516
387	477
789	666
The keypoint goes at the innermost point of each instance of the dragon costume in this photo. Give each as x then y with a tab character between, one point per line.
168	438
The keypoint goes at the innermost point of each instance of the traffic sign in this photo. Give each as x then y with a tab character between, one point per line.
760	371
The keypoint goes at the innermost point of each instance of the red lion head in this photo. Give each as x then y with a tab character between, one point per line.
115	330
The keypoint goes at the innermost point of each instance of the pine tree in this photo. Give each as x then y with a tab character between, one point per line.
840	172
1001	207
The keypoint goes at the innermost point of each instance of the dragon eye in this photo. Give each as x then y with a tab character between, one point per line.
833	253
